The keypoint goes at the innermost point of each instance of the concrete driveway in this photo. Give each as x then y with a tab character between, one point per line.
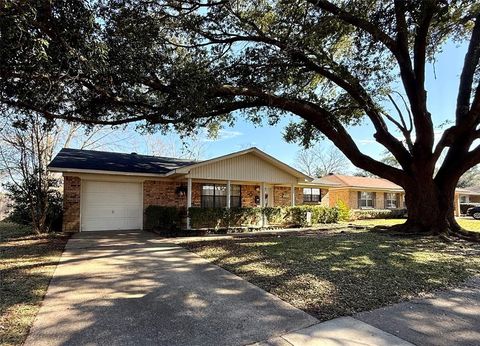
132	288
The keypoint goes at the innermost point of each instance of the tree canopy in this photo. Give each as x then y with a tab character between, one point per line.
191	63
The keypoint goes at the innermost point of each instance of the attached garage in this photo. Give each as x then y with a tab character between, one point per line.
111	206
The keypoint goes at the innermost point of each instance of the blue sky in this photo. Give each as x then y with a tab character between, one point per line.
442	91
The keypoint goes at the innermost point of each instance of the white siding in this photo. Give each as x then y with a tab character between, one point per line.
247	167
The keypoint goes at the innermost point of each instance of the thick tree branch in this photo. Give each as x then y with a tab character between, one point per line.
323	120
466	78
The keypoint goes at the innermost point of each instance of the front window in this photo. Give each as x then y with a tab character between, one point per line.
311	195
215	196
390	200
366	199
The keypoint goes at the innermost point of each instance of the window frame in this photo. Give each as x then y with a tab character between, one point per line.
311	199
371	199
216	198
388	200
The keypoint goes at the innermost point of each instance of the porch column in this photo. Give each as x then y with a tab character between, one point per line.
262	195
262	201
228	193
293	195
189	199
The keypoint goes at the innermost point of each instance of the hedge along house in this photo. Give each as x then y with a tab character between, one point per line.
110	191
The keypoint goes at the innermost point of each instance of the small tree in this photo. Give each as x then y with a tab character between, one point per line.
27	146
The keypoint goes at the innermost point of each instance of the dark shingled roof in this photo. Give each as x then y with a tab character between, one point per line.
116	162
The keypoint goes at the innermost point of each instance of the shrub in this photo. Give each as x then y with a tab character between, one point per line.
21	210
343	210
163	219
275	215
222	218
217	218
320	214
207	217
243	216
363	214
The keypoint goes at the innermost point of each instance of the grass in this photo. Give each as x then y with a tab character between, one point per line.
27	263
338	274
467	223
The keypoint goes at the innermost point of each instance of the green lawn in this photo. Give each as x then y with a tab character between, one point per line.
468	223
337	274
27	263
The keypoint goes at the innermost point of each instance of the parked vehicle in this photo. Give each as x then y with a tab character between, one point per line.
474	212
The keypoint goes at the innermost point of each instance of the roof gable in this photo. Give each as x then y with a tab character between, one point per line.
247	163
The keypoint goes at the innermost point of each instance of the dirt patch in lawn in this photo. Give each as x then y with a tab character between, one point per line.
337	274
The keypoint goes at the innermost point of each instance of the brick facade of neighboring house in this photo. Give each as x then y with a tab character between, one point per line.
350	198
71	204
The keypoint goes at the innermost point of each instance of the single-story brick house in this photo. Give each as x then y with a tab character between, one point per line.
377	193
110	191
364	192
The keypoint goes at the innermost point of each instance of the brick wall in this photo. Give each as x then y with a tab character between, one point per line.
197	194
249	192
164	193
71	204
337	195
282	196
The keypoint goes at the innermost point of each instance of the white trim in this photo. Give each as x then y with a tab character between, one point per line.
81	205
189	199
229	194
94	171
143	206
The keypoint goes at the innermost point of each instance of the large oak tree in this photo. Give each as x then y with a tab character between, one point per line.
190	63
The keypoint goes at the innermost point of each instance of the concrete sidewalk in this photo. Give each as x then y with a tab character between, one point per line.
447	318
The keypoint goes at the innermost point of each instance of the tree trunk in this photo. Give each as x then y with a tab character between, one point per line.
430	207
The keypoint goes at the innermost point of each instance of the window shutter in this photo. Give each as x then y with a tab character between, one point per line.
374	194
359	199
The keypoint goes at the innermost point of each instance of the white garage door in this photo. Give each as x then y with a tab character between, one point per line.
111	206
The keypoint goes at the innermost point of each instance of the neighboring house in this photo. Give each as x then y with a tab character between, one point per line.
469	195
364	192
110	191
378	193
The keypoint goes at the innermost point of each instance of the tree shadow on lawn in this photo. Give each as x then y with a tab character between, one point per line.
341	274
27	264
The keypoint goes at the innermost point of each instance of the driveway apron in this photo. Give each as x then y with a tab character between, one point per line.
133	288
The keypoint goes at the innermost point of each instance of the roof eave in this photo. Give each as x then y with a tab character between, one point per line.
98	171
